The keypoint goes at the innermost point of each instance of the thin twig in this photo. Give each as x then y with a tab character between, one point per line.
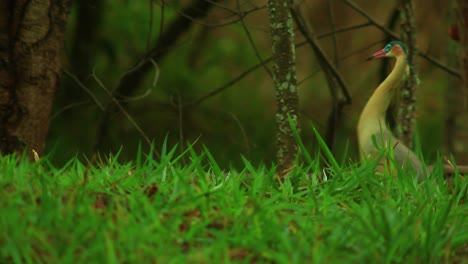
150	29
234	13
127	115
95	99
70	106
244	134
127	99
224	7
333	29
316	71
337	104
318	51
180	109
252	42
220	89
341	30
331	75
161	21
156	71
131	80
439	64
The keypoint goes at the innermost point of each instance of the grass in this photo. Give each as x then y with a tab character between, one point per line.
162	211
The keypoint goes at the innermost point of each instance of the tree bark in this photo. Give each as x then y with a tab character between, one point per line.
31	43
408	92
88	25
392	111
456	137
285	83
462	26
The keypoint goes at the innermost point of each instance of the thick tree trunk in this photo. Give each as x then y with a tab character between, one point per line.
31	42
284	77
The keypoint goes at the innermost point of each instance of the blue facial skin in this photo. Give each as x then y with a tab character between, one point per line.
390	45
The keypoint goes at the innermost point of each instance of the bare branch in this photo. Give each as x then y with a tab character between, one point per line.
341	30
133	78
429	58
150	23
70	106
234	13
127	115
331	75
180	112
333	29
252	42
93	97
244	134
321	55
220	89
344	57
161	21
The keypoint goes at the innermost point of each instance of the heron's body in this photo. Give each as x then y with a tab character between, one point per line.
373	133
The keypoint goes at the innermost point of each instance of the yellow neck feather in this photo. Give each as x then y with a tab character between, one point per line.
372	120
376	107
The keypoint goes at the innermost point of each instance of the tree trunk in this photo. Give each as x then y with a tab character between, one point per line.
462	26
88	25
408	92
456	136
284	77
31	42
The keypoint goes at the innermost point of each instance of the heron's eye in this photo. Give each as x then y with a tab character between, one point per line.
387	48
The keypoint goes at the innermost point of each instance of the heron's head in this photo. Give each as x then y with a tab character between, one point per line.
392	49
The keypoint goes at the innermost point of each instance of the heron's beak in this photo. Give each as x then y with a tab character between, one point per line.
379	54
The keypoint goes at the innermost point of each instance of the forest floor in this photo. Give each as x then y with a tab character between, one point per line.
168	211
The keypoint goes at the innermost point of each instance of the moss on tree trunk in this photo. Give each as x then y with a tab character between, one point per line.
284	77
406	115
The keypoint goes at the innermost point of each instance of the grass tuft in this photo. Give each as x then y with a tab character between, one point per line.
168	211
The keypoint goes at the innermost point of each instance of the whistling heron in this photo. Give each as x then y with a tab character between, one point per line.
372	129
374	136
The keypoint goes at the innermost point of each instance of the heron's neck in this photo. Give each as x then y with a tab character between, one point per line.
376	107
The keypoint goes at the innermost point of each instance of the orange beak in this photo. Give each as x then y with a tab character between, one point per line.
379	54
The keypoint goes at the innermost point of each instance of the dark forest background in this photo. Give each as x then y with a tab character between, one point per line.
203	46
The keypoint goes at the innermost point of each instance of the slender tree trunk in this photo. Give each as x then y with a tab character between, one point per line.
31	42
284	77
88	25
462	28
392	111
408	92
456	136
455	132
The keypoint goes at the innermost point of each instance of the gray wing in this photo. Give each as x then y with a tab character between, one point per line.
406	158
